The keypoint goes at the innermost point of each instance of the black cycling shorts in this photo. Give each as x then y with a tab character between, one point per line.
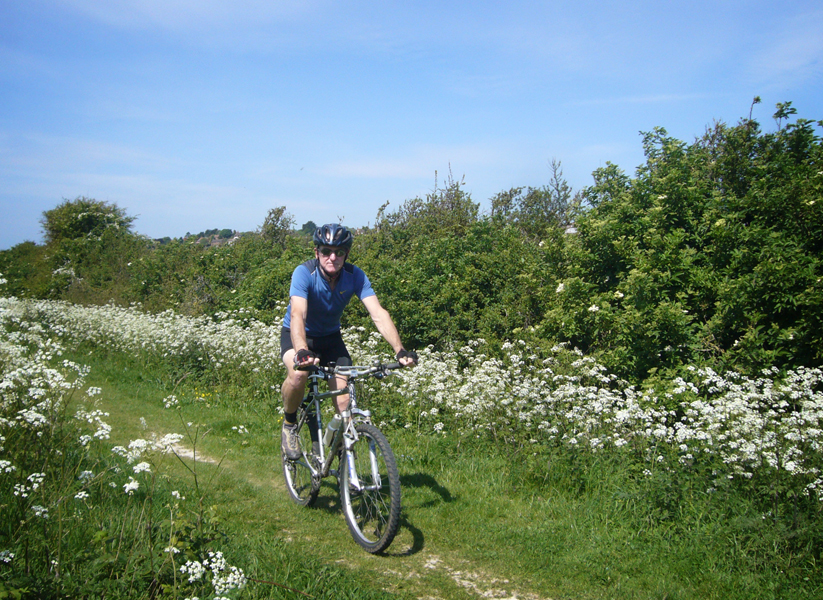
329	348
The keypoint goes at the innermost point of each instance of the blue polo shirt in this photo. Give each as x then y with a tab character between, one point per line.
325	306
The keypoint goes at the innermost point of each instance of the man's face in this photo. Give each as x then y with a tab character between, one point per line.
331	259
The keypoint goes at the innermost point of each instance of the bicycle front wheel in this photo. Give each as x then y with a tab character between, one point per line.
302	485
370	489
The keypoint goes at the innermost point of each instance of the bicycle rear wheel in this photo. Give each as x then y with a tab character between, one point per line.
370	490
302	486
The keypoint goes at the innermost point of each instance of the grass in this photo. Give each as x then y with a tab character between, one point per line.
479	519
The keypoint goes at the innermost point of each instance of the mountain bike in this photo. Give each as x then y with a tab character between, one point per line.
366	471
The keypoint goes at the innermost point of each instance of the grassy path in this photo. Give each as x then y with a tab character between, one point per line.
441	552
477	521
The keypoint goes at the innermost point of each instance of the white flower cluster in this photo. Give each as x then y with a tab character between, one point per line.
33	483
94	418
230	339
224	577
140	447
768	423
130	487
194	569
142	467
771	424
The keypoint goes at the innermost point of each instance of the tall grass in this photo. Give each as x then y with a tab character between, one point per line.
713	469
81	516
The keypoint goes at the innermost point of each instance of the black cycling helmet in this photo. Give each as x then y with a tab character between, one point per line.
333	235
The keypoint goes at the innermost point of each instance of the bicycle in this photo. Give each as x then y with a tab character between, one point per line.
367	471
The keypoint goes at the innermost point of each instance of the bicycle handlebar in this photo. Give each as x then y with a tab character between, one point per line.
353	370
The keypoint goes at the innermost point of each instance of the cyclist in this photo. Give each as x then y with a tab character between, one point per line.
320	290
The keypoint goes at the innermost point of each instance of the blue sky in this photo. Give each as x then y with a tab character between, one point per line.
200	114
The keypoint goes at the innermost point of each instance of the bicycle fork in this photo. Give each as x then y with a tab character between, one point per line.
355	482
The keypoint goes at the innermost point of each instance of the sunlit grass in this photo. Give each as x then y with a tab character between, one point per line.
560	509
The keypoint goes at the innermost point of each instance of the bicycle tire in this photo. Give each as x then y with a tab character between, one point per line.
302	486
373	514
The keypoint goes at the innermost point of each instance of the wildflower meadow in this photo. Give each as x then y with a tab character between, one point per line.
708	436
80	517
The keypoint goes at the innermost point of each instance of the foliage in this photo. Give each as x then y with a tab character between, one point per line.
538	211
96	269
80	519
710	255
27	269
308	228
445	289
447	211
706	457
277	226
83	217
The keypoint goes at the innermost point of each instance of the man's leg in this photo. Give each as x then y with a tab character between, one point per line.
342	401
293	389
294	386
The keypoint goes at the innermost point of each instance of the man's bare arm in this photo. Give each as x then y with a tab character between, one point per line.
385	325
299	308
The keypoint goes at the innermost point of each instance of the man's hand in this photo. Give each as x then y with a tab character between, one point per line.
305	358
406	358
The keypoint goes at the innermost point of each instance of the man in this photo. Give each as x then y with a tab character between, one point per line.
320	290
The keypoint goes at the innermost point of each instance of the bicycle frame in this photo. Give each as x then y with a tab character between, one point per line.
350	417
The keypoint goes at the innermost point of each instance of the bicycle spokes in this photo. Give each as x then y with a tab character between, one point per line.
370	490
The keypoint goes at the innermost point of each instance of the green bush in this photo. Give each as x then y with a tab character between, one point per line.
710	255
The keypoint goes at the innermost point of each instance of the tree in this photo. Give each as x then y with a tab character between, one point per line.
277	225
536	211
83	217
308	228
711	254
448	211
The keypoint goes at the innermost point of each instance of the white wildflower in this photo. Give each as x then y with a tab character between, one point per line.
129	487
194	569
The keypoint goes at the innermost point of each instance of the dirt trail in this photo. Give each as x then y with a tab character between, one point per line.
413	566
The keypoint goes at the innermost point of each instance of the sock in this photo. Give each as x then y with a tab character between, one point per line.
290	418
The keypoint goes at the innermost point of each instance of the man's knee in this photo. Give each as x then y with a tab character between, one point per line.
297	378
